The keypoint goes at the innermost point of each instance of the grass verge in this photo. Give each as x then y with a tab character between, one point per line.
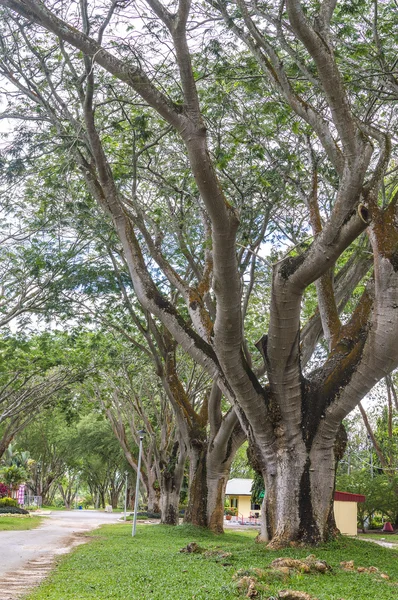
19	523
150	567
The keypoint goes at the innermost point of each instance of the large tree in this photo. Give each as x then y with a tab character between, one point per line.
292	418
149	382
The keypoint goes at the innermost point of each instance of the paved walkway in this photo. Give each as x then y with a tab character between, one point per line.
26	557
245	526
381	542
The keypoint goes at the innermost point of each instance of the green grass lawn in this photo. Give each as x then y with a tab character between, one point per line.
150	567
19	523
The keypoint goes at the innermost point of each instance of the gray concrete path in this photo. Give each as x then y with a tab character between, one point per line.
381	542
26	557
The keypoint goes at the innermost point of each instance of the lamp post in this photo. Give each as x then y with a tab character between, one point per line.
125	496
141	433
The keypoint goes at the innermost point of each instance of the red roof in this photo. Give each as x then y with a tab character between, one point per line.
347	497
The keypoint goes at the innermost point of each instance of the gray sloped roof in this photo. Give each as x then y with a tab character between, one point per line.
239	487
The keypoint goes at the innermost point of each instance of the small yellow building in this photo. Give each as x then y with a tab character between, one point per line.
238	492
345	511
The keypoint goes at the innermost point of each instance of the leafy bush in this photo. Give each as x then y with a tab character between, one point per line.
14	510
4	490
58	503
148	515
144	515
376	522
87	501
7	501
232	511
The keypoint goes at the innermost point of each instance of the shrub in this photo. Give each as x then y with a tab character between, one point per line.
14	510
143	514
87	501
7	501
376	522
58	503
148	515
232	511
4	490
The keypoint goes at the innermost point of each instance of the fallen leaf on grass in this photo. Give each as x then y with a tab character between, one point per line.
308	565
294	595
192	548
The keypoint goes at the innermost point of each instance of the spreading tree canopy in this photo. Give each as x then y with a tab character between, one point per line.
83	70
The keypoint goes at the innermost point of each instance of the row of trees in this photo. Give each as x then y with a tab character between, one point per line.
90	432
122	388
178	170
76	461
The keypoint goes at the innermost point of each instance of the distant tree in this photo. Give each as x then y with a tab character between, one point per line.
380	495
240	465
101	461
68	487
34	373
50	441
382	429
382	434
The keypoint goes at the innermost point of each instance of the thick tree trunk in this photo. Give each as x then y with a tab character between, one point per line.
299	499
153	492
45	490
196	512
207	495
153	501
169	502
171	475
219	460
4	443
299	484
215	501
210	472
114	495
51	495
